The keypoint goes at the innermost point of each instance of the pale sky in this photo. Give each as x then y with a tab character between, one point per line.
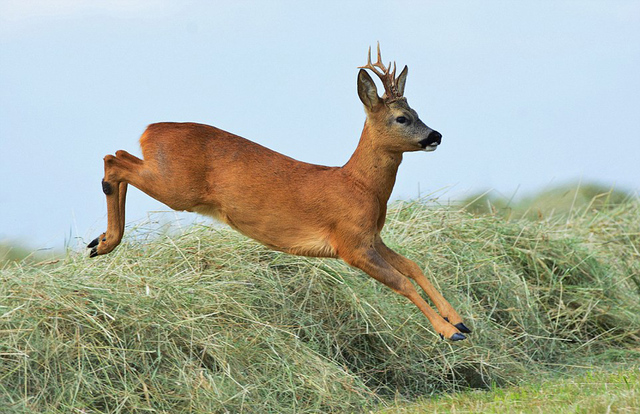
527	94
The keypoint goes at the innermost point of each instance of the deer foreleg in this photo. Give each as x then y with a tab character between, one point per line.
371	262
410	269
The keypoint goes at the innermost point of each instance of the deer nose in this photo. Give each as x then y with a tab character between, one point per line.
435	137
432	140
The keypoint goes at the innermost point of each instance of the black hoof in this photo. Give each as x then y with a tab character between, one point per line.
458	337
462	328
93	243
94	253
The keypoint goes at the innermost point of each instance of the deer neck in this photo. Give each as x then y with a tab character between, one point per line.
373	165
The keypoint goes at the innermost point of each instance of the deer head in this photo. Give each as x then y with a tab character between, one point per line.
396	126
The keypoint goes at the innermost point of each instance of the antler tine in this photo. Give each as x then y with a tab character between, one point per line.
373	66
388	79
379	62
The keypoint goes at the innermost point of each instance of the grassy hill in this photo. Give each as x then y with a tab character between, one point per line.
209	321
12	252
556	202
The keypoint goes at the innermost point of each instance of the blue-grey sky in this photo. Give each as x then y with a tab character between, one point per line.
527	94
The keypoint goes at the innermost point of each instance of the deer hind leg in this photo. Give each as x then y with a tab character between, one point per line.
115	188
410	269
374	264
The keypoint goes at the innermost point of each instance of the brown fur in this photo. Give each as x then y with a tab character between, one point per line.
288	205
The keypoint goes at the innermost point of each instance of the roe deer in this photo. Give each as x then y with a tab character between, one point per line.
285	204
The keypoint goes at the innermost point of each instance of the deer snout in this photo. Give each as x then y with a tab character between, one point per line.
432	141
436	137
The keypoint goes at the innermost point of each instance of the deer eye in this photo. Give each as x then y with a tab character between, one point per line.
401	119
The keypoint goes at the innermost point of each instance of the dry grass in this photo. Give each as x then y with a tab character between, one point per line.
208	321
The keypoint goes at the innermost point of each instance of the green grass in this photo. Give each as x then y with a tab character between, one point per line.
10	251
559	202
208	321
591	392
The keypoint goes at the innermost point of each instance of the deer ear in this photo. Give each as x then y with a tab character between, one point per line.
402	78
367	90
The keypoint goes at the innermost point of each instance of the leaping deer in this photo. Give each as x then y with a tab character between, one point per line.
285	204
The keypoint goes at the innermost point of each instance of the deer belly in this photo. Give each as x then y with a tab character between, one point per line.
282	235
298	241
308	246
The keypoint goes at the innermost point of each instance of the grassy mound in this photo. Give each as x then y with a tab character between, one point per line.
209	321
559	201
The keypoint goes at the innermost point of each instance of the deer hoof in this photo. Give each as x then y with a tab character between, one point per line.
462	328
93	243
457	337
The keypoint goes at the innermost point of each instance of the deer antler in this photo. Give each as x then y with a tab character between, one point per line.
388	78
